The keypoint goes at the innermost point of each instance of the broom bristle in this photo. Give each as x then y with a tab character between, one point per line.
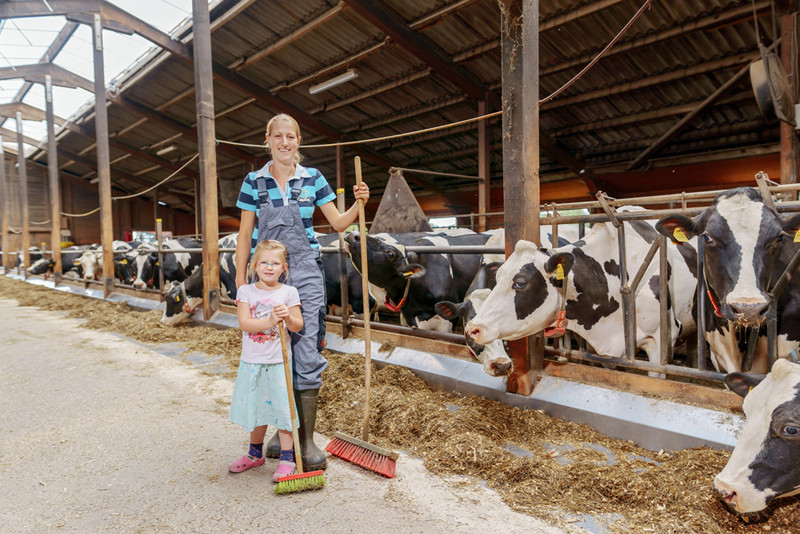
301	482
363	454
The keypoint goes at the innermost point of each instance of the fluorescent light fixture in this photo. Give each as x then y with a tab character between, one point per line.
348	75
162	203
166	150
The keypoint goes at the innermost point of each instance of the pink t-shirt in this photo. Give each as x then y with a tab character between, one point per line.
265	347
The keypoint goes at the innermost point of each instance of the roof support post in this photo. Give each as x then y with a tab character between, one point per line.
519	30
484	167
203	80
789	145
22	173
103	157
52	177
6	206
343	257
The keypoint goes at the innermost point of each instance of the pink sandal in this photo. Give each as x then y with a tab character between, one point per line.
284	470
244	463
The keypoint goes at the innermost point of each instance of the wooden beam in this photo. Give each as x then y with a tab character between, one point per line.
391	23
35	73
28	112
10	134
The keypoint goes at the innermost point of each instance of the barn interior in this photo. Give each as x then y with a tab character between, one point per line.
635	98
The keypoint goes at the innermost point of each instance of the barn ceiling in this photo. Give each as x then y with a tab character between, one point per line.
422	64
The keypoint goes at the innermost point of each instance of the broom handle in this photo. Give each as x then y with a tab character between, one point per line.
362	230
287	369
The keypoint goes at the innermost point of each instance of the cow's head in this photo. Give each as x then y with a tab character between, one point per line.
386	259
766	461
493	356
91	264
178	305
142	268
742	238
41	266
527	297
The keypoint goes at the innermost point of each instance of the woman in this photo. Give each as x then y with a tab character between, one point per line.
278	203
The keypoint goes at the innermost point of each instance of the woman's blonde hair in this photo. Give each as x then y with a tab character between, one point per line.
265	246
298	157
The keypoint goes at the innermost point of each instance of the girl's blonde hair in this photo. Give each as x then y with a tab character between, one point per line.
268	245
298	157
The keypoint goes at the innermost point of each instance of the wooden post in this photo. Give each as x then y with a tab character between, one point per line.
5	207
206	143
519	41
52	175
484	167
789	144
22	173
103	158
340	203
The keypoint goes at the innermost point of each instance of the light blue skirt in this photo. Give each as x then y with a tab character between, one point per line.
260	397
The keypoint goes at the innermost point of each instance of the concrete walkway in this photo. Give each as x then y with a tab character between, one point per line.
101	435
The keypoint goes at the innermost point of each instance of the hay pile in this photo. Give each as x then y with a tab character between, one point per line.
558	473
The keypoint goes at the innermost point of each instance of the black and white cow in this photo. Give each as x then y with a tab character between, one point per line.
332	272
414	282
182	298
765	463
747	247
34	255
528	296
177	265
69	255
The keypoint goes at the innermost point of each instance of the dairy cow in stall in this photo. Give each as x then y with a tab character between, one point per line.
332	271
177	266
69	263
91	260
747	247
415	282
583	280
765	464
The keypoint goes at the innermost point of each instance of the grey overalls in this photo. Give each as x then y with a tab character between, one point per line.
284	224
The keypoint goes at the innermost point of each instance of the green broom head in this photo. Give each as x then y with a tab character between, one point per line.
301	482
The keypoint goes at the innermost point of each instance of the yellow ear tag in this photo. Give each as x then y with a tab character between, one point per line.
177	299
559	272
797	236
679	236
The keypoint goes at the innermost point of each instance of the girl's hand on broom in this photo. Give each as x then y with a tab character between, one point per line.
361	192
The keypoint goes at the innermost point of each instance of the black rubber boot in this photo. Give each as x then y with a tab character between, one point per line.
313	457
273	447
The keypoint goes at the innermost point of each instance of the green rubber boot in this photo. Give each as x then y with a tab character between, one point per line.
313	457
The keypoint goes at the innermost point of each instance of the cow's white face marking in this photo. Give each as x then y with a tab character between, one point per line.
436	323
743	216
779	387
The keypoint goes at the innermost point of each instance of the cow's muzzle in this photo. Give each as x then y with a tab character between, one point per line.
749	313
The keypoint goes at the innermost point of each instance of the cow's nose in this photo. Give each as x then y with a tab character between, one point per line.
750	312
474	333
501	368
726	494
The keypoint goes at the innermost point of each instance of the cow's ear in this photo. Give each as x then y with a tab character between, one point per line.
741	383
563	259
450	310
491	274
413	270
678	228
791	225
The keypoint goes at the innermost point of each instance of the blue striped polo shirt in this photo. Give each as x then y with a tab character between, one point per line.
314	191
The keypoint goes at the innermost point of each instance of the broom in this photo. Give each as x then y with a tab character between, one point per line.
360	451
301	481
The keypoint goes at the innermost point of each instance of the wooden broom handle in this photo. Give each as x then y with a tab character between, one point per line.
362	231
287	369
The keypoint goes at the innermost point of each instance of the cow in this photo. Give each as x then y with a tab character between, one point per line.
182	298
583	280
177	265
493	356
69	257
414	282
765	464
91	260
34	255
331	271
747	247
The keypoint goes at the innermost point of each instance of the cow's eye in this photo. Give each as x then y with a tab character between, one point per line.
708	239
518	283
390	254
779	238
791	431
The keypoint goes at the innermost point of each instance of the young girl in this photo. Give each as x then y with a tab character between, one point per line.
260	396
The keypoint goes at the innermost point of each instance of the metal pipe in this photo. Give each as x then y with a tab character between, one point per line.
701	307
665	324
397	329
645	264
